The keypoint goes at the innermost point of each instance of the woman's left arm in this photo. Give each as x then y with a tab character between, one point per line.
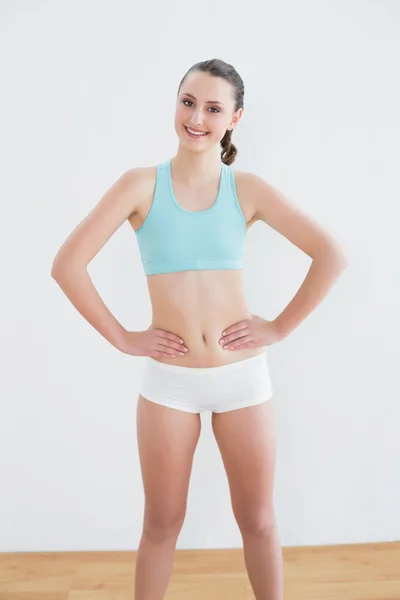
328	258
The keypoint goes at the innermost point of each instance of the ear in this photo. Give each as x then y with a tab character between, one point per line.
236	118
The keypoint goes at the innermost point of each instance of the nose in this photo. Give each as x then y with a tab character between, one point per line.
197	118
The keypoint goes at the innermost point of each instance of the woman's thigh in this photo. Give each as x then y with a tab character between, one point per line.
246	438
167	439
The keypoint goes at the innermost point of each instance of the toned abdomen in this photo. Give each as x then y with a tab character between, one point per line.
198	306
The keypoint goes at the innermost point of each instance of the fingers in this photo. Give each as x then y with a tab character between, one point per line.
174	345
169	336
230	335
233	329
169	344
237	342
171	350
166	353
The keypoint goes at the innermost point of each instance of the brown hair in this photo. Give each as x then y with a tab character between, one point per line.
218	68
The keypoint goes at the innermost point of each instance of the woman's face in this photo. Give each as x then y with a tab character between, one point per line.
195	111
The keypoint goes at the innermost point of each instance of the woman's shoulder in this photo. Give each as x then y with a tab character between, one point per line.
248	182
141	178
141	173
146	173
247	176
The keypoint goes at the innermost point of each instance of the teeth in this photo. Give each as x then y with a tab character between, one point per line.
194	132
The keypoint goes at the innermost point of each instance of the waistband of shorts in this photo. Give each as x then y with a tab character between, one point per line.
239	364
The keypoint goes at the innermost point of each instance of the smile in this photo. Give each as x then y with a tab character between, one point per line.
193	133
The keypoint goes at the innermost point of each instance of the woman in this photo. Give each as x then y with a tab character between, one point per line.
204	350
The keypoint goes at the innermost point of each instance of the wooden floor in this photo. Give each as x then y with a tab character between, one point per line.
348	572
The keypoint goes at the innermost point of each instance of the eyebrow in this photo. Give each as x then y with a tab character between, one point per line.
208	102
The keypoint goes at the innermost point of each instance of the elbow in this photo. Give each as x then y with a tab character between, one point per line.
63	267
344	262
341	258
55	270
334	253
58	267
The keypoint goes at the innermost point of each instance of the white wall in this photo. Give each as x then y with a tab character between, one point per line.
89	91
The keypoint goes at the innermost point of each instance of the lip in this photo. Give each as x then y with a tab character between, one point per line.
198	130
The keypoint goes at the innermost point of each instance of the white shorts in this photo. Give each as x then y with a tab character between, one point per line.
218	389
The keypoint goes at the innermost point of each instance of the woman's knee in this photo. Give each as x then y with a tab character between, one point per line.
163	523
256	522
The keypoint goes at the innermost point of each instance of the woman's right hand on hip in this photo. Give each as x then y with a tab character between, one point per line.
153	342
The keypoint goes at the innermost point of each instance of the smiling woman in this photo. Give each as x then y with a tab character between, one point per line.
204	350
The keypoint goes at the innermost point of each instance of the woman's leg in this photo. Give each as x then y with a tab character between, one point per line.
246	439
166	439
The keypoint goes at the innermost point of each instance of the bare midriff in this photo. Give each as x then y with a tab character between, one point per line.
198	306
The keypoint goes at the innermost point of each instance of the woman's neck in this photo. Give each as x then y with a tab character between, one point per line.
194	168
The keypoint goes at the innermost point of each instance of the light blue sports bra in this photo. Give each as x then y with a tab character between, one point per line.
173	238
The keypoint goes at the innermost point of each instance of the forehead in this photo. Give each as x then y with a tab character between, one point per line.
205	88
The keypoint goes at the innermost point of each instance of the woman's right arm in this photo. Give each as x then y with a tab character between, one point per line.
69	267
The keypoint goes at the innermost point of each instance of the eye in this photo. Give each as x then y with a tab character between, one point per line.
213	107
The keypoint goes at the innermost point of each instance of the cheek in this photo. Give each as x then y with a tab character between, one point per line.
181	114
219	130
